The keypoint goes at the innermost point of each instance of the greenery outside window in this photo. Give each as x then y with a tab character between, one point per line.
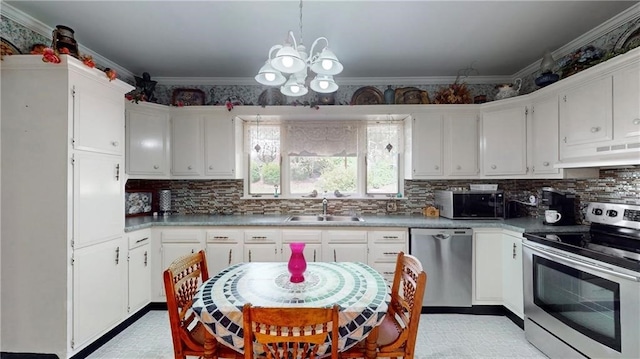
264	158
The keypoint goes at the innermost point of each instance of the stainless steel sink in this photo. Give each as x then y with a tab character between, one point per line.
330	218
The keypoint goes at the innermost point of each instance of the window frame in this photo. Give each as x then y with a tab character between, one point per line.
361	156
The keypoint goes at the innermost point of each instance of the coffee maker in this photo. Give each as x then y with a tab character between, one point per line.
561	201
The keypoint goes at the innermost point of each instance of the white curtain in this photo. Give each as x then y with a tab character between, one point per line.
322	139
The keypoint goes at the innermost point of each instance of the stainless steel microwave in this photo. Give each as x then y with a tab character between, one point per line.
470	204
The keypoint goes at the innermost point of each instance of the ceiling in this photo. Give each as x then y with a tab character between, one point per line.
373	39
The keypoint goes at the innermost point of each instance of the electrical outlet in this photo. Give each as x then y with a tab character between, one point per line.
391	206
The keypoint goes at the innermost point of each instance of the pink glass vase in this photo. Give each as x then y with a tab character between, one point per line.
297	263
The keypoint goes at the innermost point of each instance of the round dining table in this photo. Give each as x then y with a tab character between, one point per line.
359	290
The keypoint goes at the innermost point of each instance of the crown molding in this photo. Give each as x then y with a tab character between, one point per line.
359	81
45	30
628	15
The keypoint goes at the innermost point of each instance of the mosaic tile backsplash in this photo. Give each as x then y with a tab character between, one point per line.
224	196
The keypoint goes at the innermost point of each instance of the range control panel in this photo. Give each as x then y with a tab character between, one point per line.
621	215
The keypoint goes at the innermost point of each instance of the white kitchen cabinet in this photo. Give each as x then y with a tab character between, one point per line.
176	243
220	142
626	106
186	143
147	138
262	245
60	121
384	246
224	248
99	289
586	112
487	249
512	281
427	139
504	140
461	144
139	273
544	136
98	194
312	239
344	246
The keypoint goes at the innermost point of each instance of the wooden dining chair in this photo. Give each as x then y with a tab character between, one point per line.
289	333
181	281
396	335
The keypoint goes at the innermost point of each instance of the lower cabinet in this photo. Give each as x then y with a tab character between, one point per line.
175	244
139	264
99	289
344	246
224	248
498	269
512	282
383	251
312	239
262	245
487	248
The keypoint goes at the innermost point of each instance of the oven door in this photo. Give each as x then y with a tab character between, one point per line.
576	306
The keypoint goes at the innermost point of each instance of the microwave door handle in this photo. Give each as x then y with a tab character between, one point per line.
570	260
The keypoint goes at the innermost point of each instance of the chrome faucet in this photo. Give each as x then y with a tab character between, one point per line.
324	206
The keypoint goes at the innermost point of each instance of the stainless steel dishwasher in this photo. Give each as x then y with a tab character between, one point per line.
445	255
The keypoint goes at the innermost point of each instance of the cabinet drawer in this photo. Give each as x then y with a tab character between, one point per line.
388	236
180	236
387	270
139	238
307	236
224	236
261	236
346	236
386	252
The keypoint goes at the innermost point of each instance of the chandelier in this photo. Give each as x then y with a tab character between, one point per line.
291	60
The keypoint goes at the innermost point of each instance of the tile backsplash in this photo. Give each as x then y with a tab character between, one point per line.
224	196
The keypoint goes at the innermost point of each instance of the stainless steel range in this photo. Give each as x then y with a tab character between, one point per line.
582	290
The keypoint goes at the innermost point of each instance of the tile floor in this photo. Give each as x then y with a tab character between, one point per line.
439	336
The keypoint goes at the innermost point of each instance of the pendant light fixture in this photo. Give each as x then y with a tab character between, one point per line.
291	59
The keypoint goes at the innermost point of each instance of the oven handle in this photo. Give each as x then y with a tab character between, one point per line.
582	263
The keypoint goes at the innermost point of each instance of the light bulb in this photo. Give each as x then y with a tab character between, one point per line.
287	61
323	84
270	76
295	88
327	64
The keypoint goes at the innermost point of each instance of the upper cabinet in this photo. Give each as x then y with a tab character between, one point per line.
504	139
186	143
543	135
442	142
600	114
147	131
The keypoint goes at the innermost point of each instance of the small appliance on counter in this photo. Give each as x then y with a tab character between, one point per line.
165	202
561	207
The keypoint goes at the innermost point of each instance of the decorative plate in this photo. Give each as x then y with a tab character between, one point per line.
8	48
187	97
271	97
140	202
367	95
411	95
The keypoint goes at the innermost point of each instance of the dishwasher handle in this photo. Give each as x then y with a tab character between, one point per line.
442	236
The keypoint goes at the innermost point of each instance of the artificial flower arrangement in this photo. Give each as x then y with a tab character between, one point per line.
53	56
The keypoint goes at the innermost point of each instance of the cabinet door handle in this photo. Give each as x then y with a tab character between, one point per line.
514	251
314	255
189	167
249	255
595	129
117	255
210	167
114	143
258	237
436	167
118	172
193	251
220	237
545	163
493	167
458	167
155	167
142	240
230	253
390	237
390	253
636	121
146	257
334	256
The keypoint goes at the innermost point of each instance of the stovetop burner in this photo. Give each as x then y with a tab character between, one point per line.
613	237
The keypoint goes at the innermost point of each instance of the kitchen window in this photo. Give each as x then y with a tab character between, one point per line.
339	158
